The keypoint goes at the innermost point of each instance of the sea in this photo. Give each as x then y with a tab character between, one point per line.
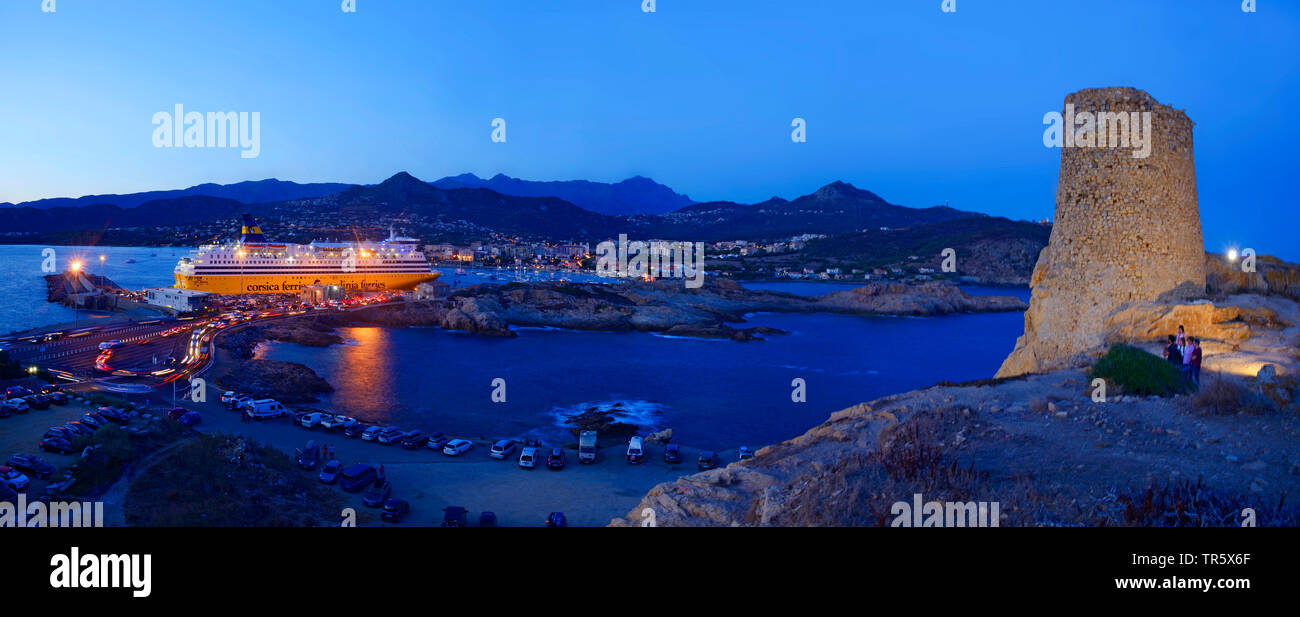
713	393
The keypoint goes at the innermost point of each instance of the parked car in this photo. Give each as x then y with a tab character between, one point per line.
635	451
413	440
308	456
313	419
30	464
329	474
226	397
746	453
355	430
707	460
390	435
37	401
264	409
456	447
114	415
61	432
556	460
528	458
56	444
395	510
502	449
191	418
557	519
175	413
93	422
454	516
16	392
16	480
587	447
17	405
79	428
58	397
372	433
487	519
672	453
336	423
238	401
376	493
438	441
357	476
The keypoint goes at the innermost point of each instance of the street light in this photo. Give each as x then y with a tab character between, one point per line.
241	272
101	269
74	268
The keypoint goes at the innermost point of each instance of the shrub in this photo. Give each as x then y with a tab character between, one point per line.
1221	395
1138	372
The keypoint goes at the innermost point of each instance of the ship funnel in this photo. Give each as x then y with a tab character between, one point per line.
251	232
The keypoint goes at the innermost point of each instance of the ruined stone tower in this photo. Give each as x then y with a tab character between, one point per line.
1127	228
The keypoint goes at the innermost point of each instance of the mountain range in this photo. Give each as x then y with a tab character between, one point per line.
637	195
249	192
454	209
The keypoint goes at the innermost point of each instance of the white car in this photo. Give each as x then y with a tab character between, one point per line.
331	423
456	447
314	419
372	433
14	478
502	449
528	458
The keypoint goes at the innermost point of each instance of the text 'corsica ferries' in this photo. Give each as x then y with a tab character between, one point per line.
254	265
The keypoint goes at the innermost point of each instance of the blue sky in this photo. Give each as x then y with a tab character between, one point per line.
919	106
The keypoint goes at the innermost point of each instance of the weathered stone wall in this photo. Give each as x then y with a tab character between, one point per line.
1126	229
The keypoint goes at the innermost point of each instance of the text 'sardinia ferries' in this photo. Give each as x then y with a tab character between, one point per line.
254	265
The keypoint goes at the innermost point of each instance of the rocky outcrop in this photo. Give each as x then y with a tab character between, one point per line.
924	299
287	382
665	306
1272	276
1039	445
1127	229
309	331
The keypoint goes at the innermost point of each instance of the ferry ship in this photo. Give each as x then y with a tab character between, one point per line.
254	265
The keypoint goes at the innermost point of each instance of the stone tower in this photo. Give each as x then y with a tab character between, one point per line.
1127	227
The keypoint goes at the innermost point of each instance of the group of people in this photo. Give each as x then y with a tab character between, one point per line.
1184	352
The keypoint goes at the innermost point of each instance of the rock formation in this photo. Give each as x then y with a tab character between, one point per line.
1127	228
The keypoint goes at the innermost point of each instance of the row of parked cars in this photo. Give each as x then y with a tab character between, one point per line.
21	399
60	438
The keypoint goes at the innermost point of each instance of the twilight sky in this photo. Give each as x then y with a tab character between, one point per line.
919	106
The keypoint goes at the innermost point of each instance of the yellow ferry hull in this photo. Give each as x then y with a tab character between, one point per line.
269	284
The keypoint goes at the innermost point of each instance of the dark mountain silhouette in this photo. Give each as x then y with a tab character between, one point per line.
156	213
636	195
837	208
534	216
252	191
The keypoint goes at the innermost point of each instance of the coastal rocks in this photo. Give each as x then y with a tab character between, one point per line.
665	306
1150	321
287	382
663	436
923	299
607	421
312	332
1127	229
1271	276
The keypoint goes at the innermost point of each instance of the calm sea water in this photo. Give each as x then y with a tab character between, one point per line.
716	394
712	393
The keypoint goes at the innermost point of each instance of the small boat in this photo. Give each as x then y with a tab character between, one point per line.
129	261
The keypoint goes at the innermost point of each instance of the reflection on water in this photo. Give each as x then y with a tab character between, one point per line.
713	393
